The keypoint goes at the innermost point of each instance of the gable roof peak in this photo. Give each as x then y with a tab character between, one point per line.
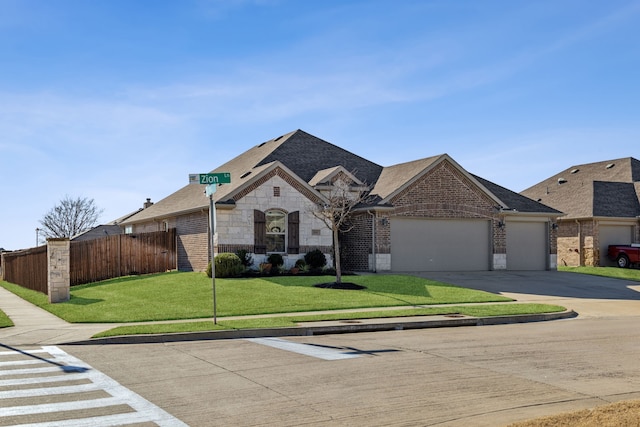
306	154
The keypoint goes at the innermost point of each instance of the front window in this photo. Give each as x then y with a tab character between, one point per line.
276	230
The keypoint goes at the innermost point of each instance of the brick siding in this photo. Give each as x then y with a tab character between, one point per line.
193	241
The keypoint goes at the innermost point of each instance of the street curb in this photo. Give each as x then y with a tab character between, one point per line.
345	327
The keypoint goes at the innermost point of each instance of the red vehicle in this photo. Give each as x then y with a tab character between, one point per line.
625	255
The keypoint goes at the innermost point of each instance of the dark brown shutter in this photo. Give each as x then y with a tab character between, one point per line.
293	246
259	232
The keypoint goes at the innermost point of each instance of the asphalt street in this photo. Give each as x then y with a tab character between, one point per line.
465	376
480	376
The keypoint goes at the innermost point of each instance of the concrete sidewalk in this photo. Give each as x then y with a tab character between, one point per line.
35	326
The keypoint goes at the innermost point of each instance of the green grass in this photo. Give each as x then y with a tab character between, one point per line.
487	310
5	322
180	295
613	272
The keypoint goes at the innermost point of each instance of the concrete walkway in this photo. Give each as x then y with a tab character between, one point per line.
35	326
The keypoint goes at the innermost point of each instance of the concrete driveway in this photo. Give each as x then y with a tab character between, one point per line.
589	296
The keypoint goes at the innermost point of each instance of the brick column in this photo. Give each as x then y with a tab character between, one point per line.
58	279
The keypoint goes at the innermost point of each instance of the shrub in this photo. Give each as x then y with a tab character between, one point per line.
227	265
209	269
245	257
275	260
300	264
315	259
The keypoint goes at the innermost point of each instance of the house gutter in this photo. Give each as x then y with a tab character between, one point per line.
373	240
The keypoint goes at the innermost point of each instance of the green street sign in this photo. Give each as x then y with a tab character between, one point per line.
210	178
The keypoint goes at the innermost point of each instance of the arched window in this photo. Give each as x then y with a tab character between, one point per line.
275	231
276	224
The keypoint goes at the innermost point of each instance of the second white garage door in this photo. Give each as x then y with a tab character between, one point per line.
527	245
440	245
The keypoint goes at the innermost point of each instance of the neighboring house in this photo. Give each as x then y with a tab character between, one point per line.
429	214
602	207
108	229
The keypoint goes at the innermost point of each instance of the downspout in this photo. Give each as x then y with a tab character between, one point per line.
373	240
580	263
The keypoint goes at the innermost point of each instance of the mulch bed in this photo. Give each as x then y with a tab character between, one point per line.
344	285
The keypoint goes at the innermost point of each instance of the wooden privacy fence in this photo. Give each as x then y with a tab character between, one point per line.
27	268
94	260
122	255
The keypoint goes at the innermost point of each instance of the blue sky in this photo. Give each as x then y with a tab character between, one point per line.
119	100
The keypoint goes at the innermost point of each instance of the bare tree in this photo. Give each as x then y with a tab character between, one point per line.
335	211
70	217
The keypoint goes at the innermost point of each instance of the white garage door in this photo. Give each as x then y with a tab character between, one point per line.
526	245
613	235
439	245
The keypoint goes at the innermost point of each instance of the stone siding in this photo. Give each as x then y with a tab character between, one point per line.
58	267
235	226
577	243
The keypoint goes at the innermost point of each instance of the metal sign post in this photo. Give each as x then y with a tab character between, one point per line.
211	189
213	180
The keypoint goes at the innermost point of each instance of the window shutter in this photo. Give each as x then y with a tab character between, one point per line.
259	232
293	228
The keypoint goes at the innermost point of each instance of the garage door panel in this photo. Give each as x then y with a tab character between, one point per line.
439	245
527	245
613	235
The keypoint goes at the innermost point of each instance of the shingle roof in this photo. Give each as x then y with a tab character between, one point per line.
305	154
607	189
302	153
514	200
394	177
312	160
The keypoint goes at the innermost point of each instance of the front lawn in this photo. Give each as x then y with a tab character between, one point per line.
4	320
484	310
180	295
613	272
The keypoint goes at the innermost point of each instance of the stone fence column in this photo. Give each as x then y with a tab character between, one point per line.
58	260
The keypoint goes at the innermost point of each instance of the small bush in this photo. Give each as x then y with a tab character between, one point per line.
275	260
300	264
265	268
227	265
245	257
209	269
315	259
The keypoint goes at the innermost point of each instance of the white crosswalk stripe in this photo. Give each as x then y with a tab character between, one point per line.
307	350
60	390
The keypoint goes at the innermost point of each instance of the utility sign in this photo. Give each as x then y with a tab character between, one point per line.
210	178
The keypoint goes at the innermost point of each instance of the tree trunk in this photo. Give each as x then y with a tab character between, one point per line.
336	254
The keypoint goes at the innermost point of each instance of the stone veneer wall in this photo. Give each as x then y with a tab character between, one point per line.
58	264
235	226
576	243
